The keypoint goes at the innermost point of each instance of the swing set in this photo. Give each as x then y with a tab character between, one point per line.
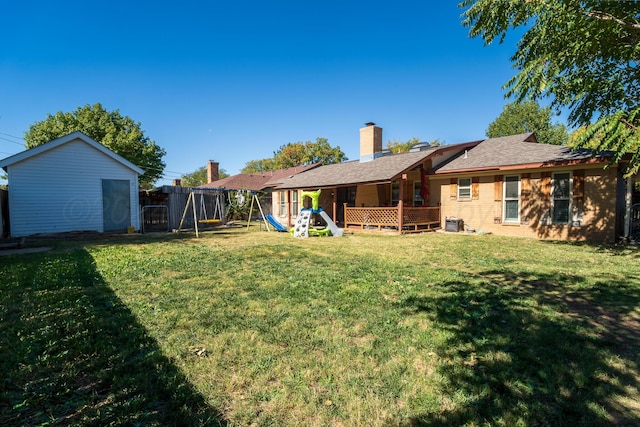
201	217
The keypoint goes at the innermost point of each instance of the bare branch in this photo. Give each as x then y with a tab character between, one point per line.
604	16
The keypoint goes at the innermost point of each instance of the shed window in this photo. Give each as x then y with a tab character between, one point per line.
561	197
464	188
511	199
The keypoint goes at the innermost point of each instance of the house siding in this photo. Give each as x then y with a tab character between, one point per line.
60	190
593	203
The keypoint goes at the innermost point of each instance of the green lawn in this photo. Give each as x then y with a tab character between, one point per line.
255	328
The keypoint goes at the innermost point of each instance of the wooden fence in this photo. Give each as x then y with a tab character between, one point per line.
166	206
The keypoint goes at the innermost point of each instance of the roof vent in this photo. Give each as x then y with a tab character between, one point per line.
421	146
382	153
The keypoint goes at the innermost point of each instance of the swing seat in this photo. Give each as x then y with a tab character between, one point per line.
208	221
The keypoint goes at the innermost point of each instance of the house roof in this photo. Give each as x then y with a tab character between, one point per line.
380	169
75	136
256	182
522	151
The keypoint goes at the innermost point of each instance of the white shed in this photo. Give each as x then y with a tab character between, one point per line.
72	183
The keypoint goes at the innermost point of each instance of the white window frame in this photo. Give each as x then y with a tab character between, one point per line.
283	204
567	198
294	202
506	199
465	188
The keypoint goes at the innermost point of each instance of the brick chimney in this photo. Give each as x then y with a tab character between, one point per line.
177	182
370	142
212	171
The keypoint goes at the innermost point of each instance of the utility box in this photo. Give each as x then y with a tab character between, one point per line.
453	224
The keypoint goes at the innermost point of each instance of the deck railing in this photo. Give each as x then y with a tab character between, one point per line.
413	219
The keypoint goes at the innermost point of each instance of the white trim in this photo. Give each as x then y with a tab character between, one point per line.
24	155
470	188
504	199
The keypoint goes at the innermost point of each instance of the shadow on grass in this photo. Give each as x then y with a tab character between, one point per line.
71	353
532	350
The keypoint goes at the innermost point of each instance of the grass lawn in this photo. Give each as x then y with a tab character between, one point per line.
255	328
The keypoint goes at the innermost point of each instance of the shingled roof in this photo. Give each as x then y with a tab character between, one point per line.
258	181
381	169
516	150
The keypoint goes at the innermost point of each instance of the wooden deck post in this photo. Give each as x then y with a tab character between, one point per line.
401	204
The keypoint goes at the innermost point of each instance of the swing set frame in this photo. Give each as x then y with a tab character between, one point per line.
191	200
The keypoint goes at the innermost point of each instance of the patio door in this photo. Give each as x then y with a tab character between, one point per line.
116	204
344	195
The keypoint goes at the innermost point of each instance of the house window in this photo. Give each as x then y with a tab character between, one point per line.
561	197
417	196
395	193
464	188
511	199
294	203
283	203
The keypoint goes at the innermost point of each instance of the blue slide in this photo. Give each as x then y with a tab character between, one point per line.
274	223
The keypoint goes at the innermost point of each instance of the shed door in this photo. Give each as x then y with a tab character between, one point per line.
116	204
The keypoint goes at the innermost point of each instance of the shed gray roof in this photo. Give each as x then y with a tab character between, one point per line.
381	169
514	150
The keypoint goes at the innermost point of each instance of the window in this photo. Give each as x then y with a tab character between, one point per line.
561	196
417	197
511	199
464	188
294	203
283	203
395	193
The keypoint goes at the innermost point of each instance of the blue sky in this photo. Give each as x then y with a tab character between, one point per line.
234	81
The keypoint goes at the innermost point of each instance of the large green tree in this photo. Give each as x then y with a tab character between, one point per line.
528	116
296	154
258	166
119	133
583	55
306	153
199	177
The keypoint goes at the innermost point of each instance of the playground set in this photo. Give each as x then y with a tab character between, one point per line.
302	227
196	207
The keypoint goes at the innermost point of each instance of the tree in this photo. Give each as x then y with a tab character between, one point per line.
306	153
121	134
581	54
258	166
396	146
199	177
296	154
528	116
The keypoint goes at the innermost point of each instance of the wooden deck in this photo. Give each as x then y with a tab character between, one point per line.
409	220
